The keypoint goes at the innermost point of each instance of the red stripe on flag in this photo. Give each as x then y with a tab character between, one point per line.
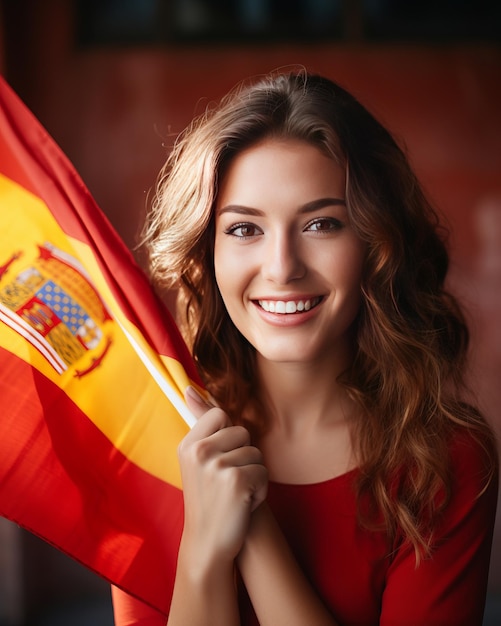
83	495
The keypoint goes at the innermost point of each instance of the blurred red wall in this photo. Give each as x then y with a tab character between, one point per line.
116	111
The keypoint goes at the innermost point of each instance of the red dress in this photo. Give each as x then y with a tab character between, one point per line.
351	569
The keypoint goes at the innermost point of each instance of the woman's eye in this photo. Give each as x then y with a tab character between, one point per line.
243	230
324	224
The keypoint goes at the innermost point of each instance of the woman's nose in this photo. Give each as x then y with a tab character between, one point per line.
282	260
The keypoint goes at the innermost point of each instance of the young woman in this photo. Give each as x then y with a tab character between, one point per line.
340	476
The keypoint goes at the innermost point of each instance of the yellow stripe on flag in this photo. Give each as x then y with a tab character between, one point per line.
125	380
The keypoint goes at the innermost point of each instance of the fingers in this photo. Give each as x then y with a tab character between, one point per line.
253	474
202	447
213	434
245	455
208	423
224	480
214	438
212	420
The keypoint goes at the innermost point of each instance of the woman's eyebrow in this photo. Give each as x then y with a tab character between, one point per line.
242	210
321	203
309	207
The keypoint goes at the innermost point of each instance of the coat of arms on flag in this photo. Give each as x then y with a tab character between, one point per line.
51	302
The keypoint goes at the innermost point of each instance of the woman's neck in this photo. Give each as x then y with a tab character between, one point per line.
310	422
302	396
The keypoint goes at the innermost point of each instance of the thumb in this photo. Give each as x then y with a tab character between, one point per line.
195	402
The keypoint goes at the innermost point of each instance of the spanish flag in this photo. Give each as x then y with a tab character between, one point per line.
93	372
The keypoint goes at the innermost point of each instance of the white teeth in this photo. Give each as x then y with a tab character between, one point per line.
283	307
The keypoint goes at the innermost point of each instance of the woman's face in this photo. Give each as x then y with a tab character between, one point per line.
287	262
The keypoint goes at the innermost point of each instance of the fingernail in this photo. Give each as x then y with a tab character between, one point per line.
194	395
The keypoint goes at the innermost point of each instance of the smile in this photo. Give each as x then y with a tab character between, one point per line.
286	307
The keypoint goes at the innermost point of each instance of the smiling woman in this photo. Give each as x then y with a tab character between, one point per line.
343	477
296	288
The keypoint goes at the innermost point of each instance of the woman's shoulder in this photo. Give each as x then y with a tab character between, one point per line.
474	464
473	450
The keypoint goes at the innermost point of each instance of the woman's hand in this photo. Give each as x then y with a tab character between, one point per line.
224	480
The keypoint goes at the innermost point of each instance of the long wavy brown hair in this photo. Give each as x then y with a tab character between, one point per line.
411	338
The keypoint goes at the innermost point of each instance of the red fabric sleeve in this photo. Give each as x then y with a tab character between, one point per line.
129	611
449	588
